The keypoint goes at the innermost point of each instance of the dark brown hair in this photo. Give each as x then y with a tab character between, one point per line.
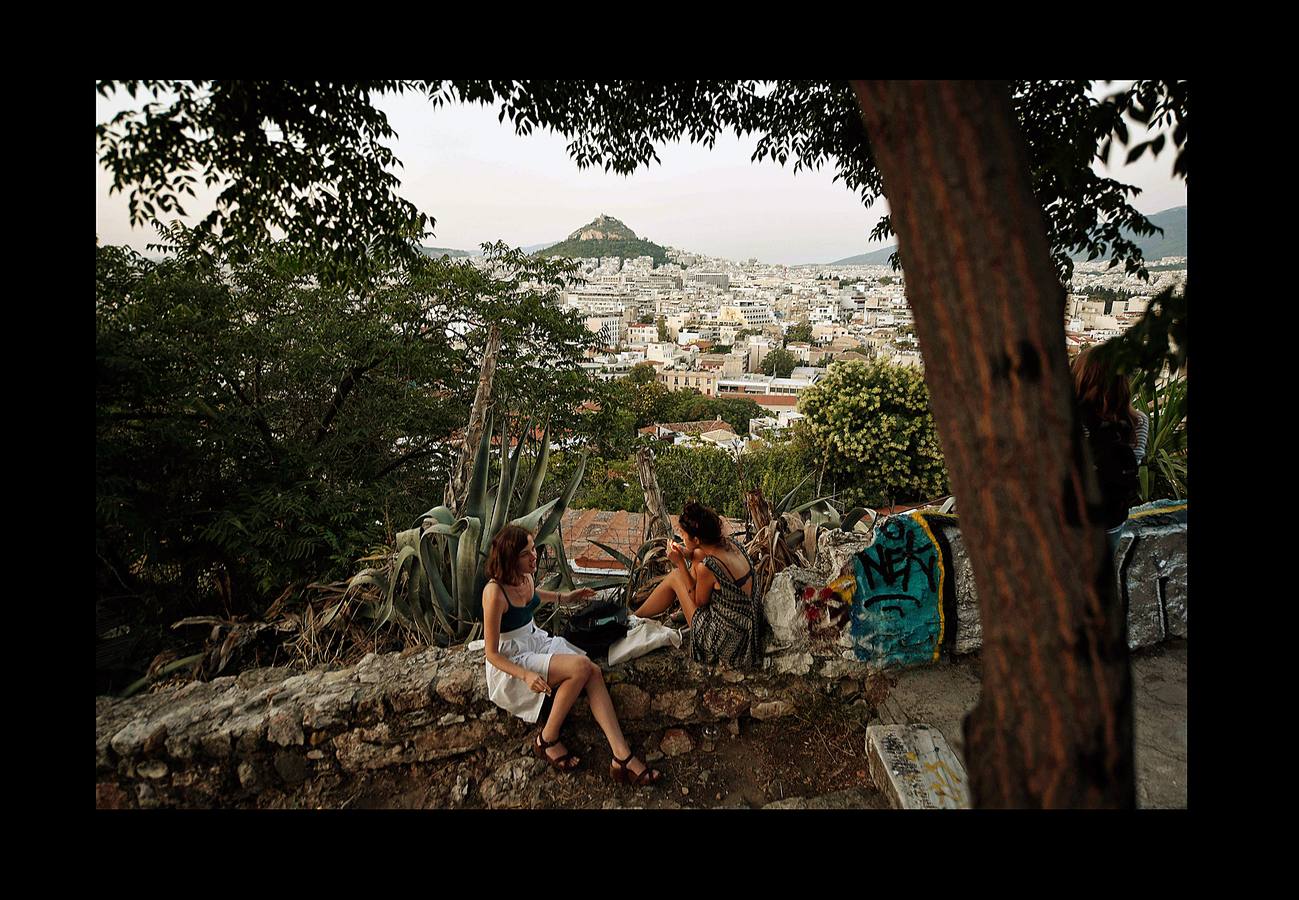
701	522
503	557
1102	395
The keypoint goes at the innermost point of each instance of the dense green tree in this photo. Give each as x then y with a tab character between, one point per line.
254	424
872	428
779	362
663	329
800	331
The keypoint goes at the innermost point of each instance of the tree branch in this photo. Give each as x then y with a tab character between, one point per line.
408	457
345	387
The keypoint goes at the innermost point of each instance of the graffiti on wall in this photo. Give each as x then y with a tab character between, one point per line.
897	613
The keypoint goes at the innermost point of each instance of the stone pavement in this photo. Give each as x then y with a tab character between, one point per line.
941	695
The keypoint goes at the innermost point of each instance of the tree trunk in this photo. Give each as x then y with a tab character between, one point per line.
454	496
1053	727
660	525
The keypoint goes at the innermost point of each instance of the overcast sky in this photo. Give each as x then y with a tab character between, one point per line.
483	183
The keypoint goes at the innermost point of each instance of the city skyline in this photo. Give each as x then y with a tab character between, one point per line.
482	183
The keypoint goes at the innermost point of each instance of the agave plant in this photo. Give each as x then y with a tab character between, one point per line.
432	581
1162	473
785	536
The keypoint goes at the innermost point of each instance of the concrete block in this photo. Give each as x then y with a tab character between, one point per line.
969	630
914	768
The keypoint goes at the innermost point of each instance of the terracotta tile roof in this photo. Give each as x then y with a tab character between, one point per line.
695	427
622	530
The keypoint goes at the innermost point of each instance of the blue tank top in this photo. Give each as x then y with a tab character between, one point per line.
518	616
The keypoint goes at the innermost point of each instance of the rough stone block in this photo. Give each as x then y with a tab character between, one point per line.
456	686
969	629
787	629
291	767
630	701
835	550
771	709
677	704
676	742
728	702
1141	572
914	768
285	728
450	740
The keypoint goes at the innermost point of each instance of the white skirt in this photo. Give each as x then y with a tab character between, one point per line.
531	648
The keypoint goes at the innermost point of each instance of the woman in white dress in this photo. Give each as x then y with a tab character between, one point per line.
524	663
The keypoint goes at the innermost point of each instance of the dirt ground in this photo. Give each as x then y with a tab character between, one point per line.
816	751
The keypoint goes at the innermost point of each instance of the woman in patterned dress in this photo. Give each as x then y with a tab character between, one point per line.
524	662
715	592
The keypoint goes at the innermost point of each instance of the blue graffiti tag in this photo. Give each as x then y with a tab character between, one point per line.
896	611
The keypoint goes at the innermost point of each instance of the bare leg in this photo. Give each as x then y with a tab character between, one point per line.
597	693
568	676
675	586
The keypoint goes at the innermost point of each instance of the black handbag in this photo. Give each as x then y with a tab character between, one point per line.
597	625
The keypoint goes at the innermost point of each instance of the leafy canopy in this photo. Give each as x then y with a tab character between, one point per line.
308	159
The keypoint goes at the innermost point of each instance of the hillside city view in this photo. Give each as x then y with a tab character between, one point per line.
556	445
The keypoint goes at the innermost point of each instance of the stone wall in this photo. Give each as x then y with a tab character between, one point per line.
816	620
273	738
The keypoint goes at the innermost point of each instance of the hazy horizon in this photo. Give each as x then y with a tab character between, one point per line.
483	183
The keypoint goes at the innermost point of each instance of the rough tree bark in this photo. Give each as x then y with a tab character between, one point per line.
1053	727
454	495
659	525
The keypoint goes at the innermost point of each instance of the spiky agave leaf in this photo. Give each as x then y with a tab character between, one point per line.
783	505
538	474
476	497
504	491
621	557
443	514
551	523
441	601
855	515
464	575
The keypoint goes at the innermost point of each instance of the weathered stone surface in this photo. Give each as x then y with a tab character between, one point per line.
797	663
969	629
835	550
510	786
629	701
914	768
728	702
291	767
852	798
456	686
732	676
675	742
1142	571
153	768
771	709
786	628
1156	581
678	704
450	740
285	728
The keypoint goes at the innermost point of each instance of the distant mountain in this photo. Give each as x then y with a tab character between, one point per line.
1171	243
437	252
877	258
606	236
535	247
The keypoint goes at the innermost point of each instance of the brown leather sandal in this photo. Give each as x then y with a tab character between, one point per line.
566	763
619	772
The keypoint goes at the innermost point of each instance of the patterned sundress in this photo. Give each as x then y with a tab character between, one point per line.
729	629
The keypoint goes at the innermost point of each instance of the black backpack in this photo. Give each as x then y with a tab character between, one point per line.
597	625
1116	469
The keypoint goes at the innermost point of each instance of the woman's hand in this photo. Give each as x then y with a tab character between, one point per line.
537	683
676	553
580	594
